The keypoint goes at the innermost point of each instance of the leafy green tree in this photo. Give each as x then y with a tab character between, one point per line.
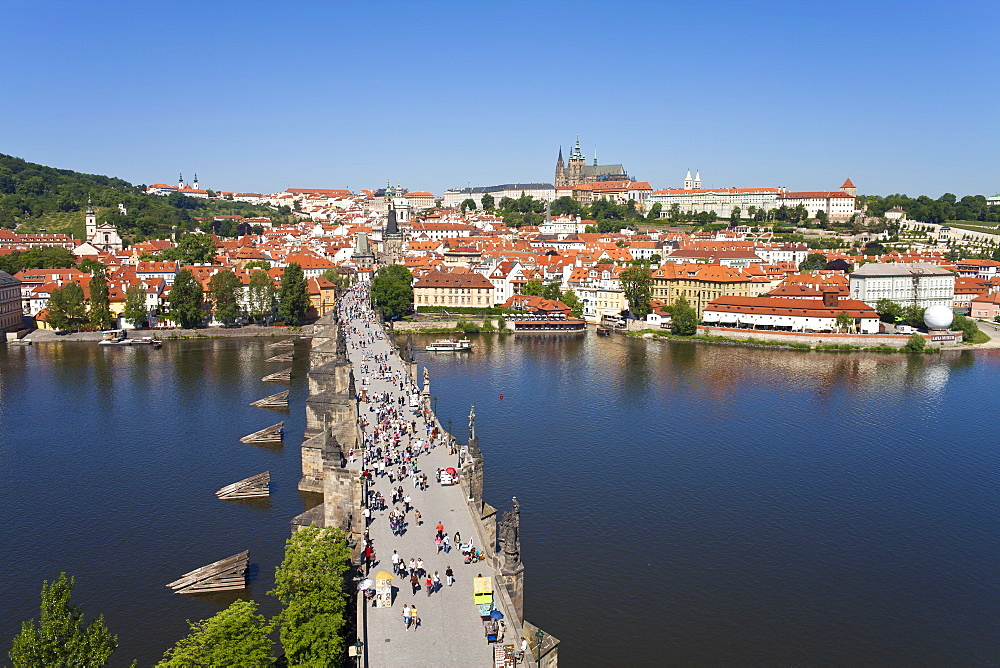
566	206
488	202
551	290
185	299
967	326
37	258
100	311
888	310
844	320
88	265
293	297
813	262
60	639
674	213
225	288
736	215
570	299
533	288
192	249
683	318
135	305
637	284
67	308
236	636
392	290
310	583
467	203
260	295
913	315
342	281
915	343
257	264
654	211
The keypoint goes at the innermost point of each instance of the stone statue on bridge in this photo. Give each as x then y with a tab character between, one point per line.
510	536
472	423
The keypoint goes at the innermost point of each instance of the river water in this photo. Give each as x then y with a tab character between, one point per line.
681	503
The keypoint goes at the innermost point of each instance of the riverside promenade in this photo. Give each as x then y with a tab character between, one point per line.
450	632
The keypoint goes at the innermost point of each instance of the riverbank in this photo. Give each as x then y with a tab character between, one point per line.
794	341
255	331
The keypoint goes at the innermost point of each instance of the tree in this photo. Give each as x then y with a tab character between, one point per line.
236	636
135	305
100	312
67	308
637	284
61	639
915	343
570	299
89	264
260	295
736	215
838	265
225	288
185	300
467	203
967	326
551	290
310	584
488	202
392	290
654	211
257	264
683	318
813	262
566	206
293	297
341	281
845	321
192	249
533	288
888	310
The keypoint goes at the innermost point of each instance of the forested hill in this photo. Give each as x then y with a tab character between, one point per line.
35	197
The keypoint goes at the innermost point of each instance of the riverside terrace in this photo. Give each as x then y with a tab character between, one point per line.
451	630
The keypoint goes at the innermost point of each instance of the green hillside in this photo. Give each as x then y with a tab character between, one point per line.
35	197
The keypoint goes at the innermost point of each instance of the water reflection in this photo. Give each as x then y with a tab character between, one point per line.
787	504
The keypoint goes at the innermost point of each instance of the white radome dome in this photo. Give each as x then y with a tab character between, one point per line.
938	317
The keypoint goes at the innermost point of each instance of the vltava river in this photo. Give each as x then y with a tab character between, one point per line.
704	505
681	504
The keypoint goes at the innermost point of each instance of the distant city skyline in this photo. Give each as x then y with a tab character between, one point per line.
894	95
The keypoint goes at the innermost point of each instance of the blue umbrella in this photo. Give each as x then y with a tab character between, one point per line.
496	614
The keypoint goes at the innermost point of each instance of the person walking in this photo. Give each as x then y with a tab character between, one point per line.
414	582
407	616
429	586
417	516
420	567
446	544
450	575
415	617
440	529
436	581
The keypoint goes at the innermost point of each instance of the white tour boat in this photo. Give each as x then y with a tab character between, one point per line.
450	345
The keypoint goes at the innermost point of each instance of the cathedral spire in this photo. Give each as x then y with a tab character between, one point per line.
90	207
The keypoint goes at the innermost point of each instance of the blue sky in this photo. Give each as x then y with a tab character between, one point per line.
900	96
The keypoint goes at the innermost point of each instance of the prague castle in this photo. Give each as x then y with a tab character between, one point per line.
576	171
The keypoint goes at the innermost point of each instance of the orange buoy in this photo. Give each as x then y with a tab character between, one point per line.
501	395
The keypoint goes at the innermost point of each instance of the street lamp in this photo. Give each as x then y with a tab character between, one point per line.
434	404
538	645
355	651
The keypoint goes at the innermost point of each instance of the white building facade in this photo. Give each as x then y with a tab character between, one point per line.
919	284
